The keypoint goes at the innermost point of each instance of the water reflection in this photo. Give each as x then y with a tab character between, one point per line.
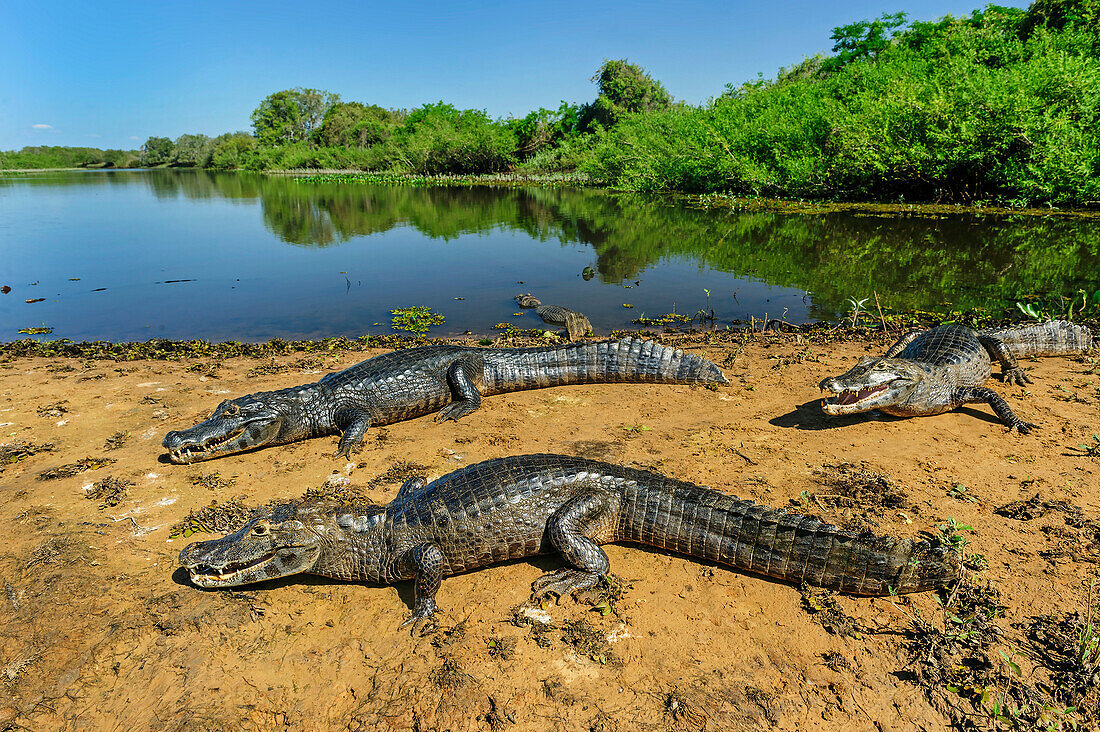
911	262
615	239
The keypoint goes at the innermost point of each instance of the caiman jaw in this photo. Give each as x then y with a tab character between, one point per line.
852	396
205	575
200	451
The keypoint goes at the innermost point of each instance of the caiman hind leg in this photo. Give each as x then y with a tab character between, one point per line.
1000	407
425	563
463	390
353	424
569	529
1011	372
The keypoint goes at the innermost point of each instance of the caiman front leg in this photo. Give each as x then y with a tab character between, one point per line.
1011	372
425	563
567	529
1000	407
466	397
353	423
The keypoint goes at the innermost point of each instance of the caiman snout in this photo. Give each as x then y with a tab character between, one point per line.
196	444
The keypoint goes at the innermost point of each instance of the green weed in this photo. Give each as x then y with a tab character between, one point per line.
416	319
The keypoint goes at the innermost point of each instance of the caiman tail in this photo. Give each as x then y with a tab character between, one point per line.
703	523
630	360
1051	338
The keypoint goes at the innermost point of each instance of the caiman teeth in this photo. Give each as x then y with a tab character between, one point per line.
221	443
229	570
187	453
853	396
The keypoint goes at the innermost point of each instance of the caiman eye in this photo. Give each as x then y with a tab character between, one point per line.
260	530
232	410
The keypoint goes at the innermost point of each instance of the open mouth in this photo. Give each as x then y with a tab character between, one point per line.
205	573
854	396
190	453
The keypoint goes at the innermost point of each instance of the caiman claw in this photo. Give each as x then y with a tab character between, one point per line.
422	619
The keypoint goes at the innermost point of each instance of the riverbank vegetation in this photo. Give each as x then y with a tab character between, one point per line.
37	158
1001	105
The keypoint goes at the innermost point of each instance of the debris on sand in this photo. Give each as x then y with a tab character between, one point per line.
110	490
216	517
116	441
13	452
212	481
70	469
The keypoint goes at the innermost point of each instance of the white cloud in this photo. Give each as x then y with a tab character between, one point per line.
42	127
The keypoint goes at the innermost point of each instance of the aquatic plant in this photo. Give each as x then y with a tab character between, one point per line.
416	319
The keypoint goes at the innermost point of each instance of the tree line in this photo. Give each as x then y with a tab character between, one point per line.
1001	105
313	128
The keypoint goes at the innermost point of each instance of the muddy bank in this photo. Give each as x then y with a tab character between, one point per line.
99	629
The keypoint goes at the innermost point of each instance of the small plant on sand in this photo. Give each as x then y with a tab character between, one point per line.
1091	449
416	319
951	536
962	493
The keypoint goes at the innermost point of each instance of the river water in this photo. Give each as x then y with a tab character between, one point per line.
132	255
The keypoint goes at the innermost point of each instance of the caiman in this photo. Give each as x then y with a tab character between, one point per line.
515	507
450	380
576	324
937	370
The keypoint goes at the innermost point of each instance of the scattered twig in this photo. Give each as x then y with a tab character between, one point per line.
877	305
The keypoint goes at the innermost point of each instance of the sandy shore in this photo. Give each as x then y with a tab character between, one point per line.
100	630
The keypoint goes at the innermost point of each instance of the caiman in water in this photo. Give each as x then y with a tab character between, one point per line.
405	384
516	507
937	370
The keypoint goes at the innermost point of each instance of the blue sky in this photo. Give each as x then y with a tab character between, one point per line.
110	74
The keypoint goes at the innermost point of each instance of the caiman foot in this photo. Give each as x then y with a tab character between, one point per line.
1016	376
422	619
343	451
1024	428
562	582
455	411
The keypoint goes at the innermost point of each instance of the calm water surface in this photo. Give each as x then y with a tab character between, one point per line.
131	255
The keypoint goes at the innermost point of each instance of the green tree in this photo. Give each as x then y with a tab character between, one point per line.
156	151
862	40
545	127
192	151
351	124
292	115
625	89
438	138
232	151
1060	14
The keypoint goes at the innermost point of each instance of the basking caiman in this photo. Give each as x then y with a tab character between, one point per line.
404	384
516	507
941	369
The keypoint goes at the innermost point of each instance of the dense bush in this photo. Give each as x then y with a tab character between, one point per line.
351	124
232	151
437	138
67	157
965	109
